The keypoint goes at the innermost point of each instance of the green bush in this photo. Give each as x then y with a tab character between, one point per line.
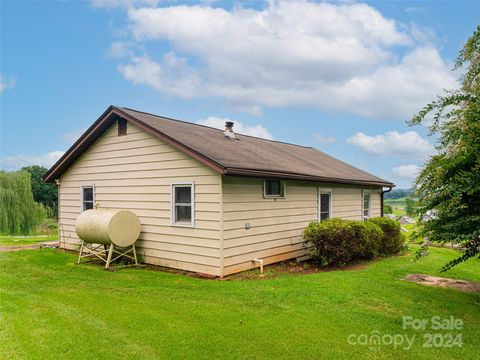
329	239
336	242
392	239
368	237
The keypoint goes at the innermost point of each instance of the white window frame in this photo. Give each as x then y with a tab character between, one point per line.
82	203
275	196
364	192
320	192
173	185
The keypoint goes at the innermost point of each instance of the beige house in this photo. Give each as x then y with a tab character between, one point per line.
208	201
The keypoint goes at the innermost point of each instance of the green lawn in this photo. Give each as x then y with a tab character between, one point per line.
398	206
17	241
411	228
54	309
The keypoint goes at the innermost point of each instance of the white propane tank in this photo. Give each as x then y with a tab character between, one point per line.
107	226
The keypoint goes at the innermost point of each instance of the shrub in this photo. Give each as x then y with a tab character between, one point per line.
329	241
368	237
392	239
337	242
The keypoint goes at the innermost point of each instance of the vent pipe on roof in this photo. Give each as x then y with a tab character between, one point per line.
229	130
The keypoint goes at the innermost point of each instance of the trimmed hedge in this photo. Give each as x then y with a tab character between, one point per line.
336	242
392	239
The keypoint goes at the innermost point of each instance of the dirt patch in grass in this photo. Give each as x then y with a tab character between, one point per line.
428	280
47	244
269	271
294	268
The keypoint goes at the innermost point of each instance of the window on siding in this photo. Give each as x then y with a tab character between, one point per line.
366	205
88	197
273	188
324	204
183	204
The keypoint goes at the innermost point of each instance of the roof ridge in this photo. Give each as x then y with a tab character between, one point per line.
211	127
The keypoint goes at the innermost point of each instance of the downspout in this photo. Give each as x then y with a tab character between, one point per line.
259	261
381	203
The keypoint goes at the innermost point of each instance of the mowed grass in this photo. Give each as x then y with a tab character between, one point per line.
27	240
54	309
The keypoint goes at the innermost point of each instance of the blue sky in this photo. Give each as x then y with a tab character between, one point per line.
341	76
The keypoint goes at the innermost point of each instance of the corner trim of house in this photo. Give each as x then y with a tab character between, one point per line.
222	258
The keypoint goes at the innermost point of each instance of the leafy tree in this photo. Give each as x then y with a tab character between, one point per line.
387	209
450	181
43	192
19	213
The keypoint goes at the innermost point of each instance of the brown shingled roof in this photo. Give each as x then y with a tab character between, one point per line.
246	155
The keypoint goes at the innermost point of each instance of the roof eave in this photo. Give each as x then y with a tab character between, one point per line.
57	169
100	125
295	176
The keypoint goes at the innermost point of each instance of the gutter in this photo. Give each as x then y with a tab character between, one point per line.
296	176
381	199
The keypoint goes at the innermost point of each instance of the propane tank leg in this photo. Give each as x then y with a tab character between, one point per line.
110	252
80	253
135	254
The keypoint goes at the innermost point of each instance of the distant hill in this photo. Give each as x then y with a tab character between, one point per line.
398	193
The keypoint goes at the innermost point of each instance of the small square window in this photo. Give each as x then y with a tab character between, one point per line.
273	188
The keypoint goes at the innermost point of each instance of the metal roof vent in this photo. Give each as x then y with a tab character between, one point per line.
229	134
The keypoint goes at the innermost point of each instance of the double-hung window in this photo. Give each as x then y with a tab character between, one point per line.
324	204
365	204
273	188
88	197
183	195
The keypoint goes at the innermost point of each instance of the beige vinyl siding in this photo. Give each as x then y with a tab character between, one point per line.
376	207
347	203
276	225
135	172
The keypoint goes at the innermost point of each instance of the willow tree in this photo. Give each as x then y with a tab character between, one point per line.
450	181
19	213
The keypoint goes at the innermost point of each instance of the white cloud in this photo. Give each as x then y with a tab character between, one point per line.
6	82
72	136
339	57
19	161
406	171
254	130
392	143
175	75
111	4
323	139
119	49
